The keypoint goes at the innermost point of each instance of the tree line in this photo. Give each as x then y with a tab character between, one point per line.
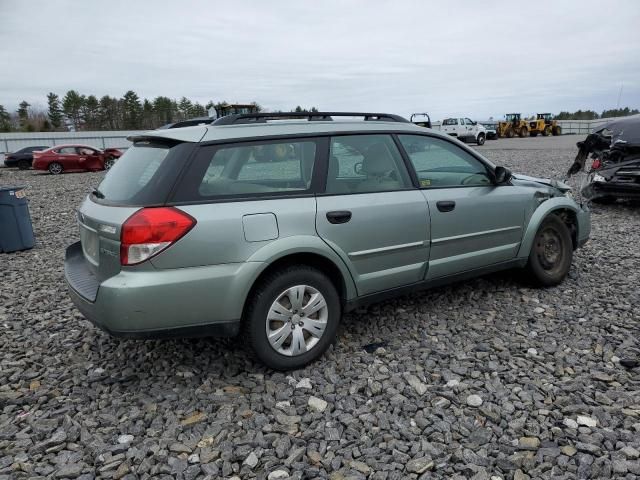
591	115
75	111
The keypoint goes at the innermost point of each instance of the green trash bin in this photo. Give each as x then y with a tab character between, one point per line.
16	230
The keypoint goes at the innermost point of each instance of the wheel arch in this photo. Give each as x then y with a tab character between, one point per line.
559	206
317	257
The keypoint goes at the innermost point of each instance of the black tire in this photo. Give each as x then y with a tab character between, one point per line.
547	131
551	253
523	132
109	162
557	131
510	133
270	289
24	164
480	139
55	168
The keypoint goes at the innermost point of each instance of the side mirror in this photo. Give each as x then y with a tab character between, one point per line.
501	175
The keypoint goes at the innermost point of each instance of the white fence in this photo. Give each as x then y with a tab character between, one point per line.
10	142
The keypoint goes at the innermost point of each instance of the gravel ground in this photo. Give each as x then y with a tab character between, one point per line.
484	379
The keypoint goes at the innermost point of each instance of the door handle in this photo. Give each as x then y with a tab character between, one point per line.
339	216
446	205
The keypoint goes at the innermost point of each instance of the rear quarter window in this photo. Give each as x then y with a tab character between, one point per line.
269	168
144	174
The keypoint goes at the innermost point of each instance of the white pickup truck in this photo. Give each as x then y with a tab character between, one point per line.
465	130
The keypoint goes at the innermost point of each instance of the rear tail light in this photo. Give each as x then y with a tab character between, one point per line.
596	164
149	231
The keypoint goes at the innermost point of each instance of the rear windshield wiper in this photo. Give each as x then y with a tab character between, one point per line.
97	193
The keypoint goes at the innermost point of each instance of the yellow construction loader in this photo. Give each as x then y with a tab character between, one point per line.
545	125
512	126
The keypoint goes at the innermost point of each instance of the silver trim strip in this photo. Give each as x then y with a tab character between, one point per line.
392	248
474	234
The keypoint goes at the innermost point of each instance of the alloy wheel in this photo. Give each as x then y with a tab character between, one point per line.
297	320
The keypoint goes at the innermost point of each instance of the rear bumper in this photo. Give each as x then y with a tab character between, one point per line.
185	302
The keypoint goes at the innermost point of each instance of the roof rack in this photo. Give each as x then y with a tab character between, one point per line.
245	118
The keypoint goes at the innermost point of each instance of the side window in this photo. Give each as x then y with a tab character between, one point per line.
468	121
67	151
251	168
439	163
365	163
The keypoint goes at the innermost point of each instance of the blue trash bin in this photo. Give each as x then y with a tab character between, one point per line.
16	231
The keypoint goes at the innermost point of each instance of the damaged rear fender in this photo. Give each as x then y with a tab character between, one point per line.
578	220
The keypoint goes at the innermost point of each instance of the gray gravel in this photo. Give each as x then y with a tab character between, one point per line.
484	379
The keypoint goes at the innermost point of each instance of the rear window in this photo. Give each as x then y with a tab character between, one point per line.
143	175
277	167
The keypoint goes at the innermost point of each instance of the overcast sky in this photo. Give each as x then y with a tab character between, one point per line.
468	58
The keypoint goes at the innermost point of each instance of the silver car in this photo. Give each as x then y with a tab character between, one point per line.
272	226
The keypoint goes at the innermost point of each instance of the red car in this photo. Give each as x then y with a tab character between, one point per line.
75	158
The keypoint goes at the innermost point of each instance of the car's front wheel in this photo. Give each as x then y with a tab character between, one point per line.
293	317
551	253
55	168
481	139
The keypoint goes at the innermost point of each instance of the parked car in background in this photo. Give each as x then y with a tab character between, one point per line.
22	158
614	170
492	130
75	158
275	228
464	129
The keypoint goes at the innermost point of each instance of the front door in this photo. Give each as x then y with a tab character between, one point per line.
474	223
371	215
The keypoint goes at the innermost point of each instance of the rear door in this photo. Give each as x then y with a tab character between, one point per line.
68	157
371	215
474	223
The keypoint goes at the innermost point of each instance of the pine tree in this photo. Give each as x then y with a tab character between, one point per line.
23	114
91	113
55	111
72	106
132	111
5	121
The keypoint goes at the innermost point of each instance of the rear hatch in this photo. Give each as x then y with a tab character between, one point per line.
143	177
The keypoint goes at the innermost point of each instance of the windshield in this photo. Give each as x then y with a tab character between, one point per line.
142	176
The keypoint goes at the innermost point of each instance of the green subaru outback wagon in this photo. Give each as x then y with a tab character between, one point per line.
271	226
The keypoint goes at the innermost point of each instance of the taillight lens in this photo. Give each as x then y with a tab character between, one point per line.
150	231
596	164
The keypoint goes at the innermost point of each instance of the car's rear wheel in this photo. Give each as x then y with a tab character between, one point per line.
55	168
109	162
481	139
24	164
551	253
293	317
